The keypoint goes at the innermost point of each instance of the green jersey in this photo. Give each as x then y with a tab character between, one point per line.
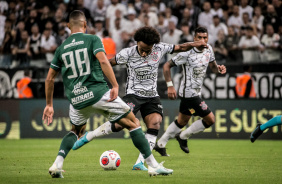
82	74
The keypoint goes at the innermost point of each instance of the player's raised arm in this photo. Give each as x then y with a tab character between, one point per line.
217	68
171	93
109	73
189	45
49	90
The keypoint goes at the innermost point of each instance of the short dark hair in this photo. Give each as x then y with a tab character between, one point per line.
148	35
76	14
201	30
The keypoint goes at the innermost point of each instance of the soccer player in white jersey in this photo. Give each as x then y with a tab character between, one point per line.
82	62
142	61
194	63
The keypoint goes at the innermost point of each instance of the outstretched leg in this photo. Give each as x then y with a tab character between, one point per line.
277	120
57	168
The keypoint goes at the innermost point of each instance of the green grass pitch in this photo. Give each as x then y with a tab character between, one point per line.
209	161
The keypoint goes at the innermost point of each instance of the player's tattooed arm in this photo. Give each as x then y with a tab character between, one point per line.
113	61
171	92
217	68
189	45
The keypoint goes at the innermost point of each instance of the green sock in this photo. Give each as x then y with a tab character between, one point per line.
140	142
67	143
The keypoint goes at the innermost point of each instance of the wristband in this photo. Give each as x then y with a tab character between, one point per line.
169	84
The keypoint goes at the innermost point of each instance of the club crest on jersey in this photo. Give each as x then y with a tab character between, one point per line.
155	56
131	105
204	105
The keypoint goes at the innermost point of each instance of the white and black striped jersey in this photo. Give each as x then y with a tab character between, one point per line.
194	64
143	71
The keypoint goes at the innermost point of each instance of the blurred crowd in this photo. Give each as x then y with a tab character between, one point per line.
240	31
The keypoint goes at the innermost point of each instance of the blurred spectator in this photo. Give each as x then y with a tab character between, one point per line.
278	7
162	26
80	6
48	45
176	7
235	20
98	26
270	41
94	5
172	37
263	6
58	18
146	13
137	4
109	45
111	12
5	48
220	51
100	10
245	8
232	40
62	35
24	91
271	18
257	21
50	26
35	42
245	24
194	13
250	46
214	29
186	35
44	18
217	10
229	7
127	40
118	14
170	17
159	5
3	6
186	19
132	23
205	17
245	84
32	19
2	25
22	50
116	35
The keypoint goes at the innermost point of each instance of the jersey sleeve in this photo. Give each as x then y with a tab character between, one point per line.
212	57
123	56
167	48
180	58
56	63
98	45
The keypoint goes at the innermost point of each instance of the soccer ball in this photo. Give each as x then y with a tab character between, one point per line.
110	160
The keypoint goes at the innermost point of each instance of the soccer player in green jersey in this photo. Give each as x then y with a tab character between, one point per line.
82	62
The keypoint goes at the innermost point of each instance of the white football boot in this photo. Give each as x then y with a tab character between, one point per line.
160	170
55	172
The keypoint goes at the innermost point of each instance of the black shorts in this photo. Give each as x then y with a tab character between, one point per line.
145	105
194	106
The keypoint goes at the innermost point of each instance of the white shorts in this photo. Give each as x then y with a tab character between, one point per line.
113	111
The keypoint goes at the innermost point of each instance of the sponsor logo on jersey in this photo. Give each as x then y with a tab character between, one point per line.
146	93
145	73
204	105
78	89
73	44
82	98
